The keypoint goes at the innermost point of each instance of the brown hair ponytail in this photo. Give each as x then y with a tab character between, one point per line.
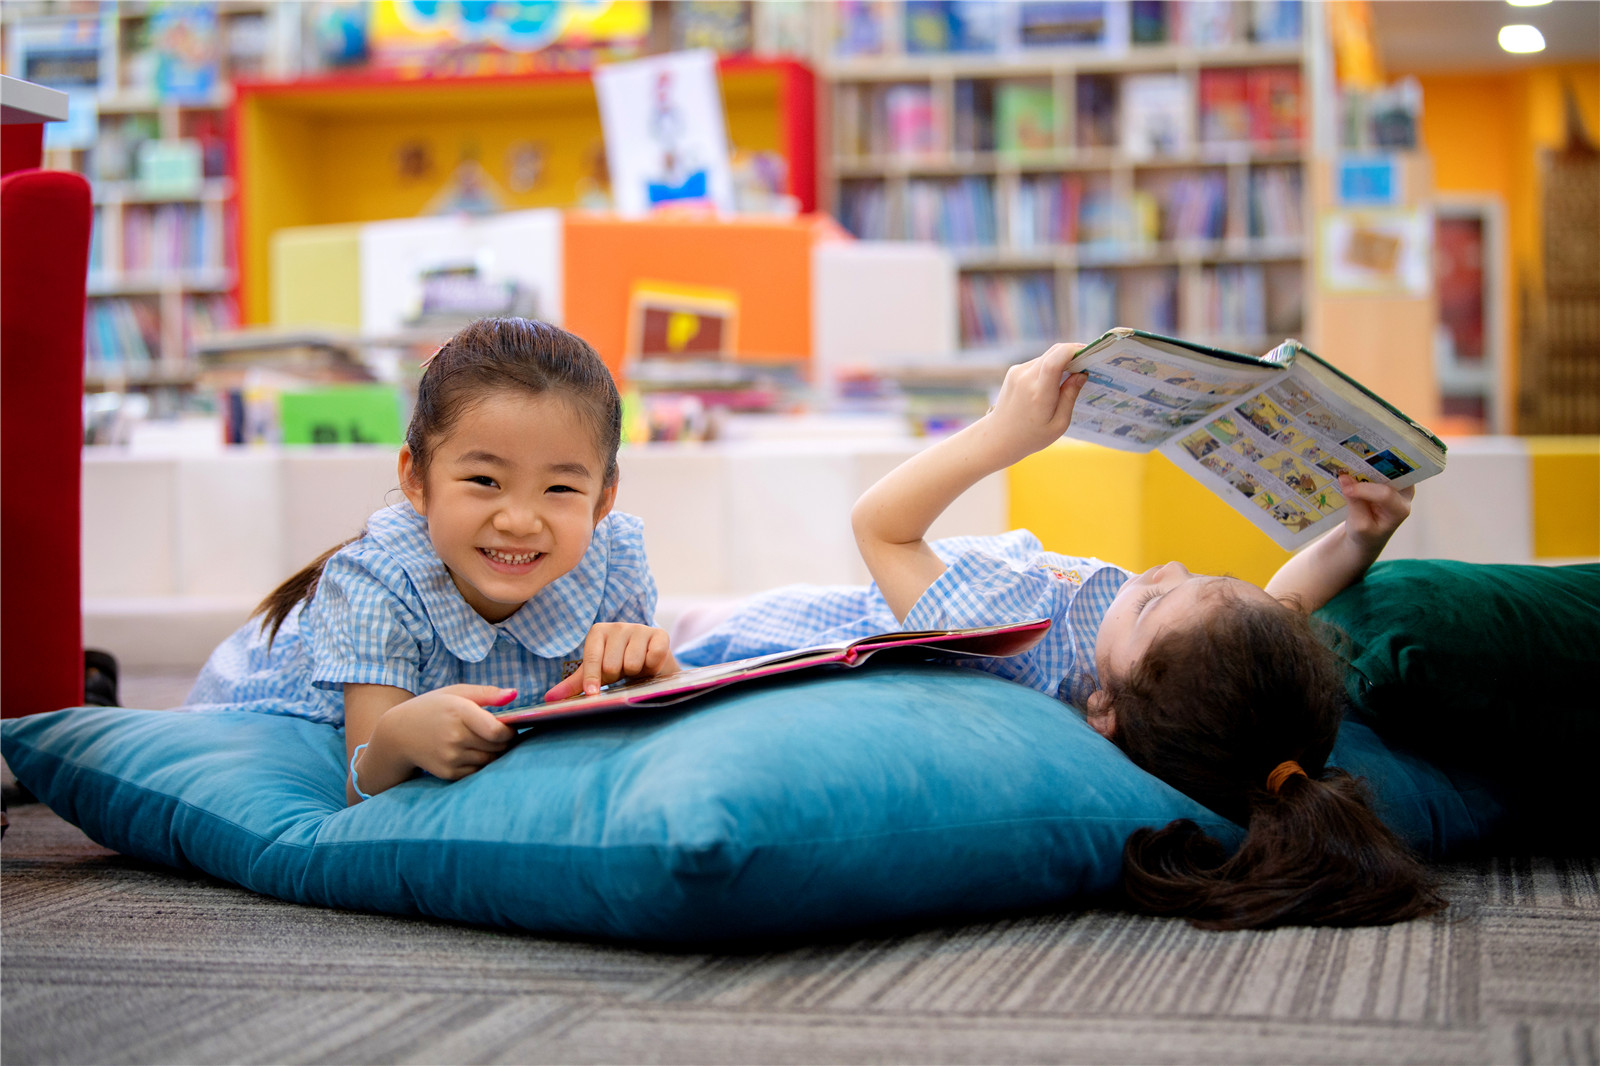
1315	854
302	586
1213	709
487	355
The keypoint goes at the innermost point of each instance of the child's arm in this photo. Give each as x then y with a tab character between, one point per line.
615	650
1333	563
446	732
892	518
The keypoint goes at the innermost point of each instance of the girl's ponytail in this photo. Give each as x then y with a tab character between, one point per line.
1239	711
299	588
1313	853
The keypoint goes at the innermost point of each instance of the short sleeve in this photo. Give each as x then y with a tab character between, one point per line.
630	593
361	629
981	589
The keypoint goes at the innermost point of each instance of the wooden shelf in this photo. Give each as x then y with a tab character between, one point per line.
1235	267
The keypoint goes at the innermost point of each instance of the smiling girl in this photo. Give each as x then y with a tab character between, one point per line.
503	578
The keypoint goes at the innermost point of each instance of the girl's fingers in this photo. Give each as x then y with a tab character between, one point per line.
593	668
487	727
482	695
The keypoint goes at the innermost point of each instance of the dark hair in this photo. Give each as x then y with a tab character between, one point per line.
1212	709
488	356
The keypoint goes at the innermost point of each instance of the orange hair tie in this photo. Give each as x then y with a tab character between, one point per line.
1281	773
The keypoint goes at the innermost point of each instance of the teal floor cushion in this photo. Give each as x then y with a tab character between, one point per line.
912	793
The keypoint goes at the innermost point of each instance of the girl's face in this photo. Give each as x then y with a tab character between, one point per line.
512	497
1160	599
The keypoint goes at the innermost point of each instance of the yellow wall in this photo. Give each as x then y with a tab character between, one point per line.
1135	510
1485	133
321	153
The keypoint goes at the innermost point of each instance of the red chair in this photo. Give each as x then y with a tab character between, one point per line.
44	260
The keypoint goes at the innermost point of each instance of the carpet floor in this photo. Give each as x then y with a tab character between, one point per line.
106	959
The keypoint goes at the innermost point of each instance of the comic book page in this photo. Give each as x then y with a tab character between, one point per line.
1142	391
1276	456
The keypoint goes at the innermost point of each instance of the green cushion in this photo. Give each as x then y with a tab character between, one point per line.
1488	668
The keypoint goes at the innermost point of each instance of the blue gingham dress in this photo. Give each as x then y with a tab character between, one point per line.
990	581
387	613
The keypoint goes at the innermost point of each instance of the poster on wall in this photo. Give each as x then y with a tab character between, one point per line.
504	36
1377	252
666	144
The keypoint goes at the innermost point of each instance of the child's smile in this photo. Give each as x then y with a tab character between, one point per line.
510	562
512	495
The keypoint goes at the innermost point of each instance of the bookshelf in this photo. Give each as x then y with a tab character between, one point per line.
1148	168
319	151
150	132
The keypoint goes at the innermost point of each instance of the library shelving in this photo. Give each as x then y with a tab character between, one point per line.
317	151
1145	166
149	88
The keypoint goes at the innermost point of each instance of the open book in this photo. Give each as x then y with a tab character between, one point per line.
644	693
1269	434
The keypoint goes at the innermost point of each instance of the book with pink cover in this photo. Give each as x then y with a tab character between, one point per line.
646	693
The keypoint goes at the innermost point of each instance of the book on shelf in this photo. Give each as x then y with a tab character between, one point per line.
1094	302
944	26
1225	105
1276	21
1156	115
957	211
726	29
1208	23
649	693
1148	22
120	333
1193	205
1150	294
910	120
864	210
1268	434
1003	308
1275	104
1095	111
1045	210
1276	202
1228	300
186	46
1024	117
1095	24
973	122
860	27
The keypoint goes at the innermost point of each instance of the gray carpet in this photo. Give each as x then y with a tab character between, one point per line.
105	959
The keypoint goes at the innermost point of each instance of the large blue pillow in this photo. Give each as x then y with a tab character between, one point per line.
881	794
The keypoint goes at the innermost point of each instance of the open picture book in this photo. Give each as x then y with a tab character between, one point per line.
645	693
1269	434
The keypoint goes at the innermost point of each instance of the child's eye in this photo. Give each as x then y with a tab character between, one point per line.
482	479
561	488
1144	601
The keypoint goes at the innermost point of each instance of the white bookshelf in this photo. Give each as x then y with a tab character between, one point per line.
913	149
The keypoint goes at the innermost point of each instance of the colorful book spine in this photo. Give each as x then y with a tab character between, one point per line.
1276	105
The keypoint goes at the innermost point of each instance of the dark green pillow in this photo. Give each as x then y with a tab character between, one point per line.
1494	669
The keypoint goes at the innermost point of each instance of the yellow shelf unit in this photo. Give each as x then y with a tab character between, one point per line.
342	150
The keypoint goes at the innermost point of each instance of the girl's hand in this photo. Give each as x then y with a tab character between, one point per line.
1035	404
615	650
446	732
1375	510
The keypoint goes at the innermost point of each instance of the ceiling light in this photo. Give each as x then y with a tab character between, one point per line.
1521	38
1527	3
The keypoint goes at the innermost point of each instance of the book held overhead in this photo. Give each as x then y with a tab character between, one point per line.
1269	434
